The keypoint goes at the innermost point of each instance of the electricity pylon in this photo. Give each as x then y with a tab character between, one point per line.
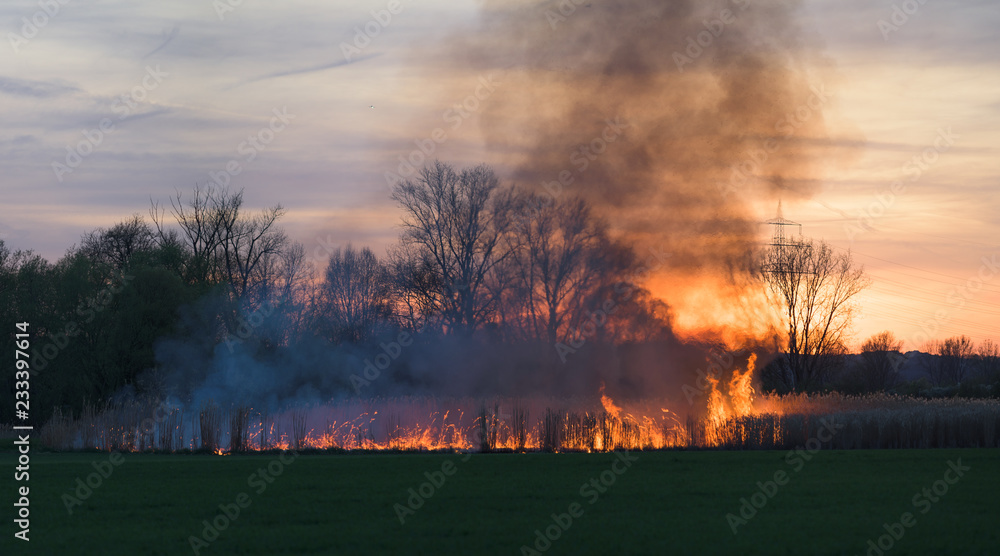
781	242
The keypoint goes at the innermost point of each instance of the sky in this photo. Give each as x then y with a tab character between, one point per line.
108	106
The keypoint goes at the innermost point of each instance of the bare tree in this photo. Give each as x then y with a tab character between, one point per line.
251	248
636	315
988	360
953	362
880	360
355	299
115	246
294	274
556	266
814	288
286	297
205	221
417	287
454	229
225	245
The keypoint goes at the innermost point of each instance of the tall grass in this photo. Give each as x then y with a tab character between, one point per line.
519	425
779	422
393	432
88	426
239	429
299	417
265	434
170	432
58	431
209	421
489	424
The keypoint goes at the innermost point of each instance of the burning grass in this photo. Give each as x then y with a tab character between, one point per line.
732	421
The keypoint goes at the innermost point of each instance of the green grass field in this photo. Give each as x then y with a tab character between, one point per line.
664	503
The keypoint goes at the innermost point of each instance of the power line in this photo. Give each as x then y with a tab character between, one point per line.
993	246
906	315
910	289
936	280
780	244
904	265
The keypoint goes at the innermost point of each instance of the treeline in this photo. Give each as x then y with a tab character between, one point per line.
954	366
476	260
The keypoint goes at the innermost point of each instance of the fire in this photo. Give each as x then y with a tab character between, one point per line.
419	424
716	404
609	404
741	391
741	397
735	419
708	307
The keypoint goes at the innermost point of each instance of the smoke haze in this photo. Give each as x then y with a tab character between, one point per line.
671	117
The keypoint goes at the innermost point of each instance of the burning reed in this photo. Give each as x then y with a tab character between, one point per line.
239	429
426	424
209	420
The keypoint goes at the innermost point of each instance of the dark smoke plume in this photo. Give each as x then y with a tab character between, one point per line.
670	116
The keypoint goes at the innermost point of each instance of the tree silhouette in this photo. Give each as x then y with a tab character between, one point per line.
454	228
814	289
355	298
880	361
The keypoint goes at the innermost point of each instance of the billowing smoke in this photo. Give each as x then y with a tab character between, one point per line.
194	367
670	116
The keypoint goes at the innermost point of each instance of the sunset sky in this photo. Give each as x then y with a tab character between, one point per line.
202	79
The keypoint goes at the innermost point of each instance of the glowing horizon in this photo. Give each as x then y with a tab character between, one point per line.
927	243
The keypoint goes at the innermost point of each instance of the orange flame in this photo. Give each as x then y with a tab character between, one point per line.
609	404
716	404
741	391
430	424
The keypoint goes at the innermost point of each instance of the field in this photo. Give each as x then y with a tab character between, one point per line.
667	502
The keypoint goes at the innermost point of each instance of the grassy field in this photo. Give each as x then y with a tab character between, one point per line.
660	503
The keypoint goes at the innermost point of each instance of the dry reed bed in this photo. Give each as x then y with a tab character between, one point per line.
507	425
